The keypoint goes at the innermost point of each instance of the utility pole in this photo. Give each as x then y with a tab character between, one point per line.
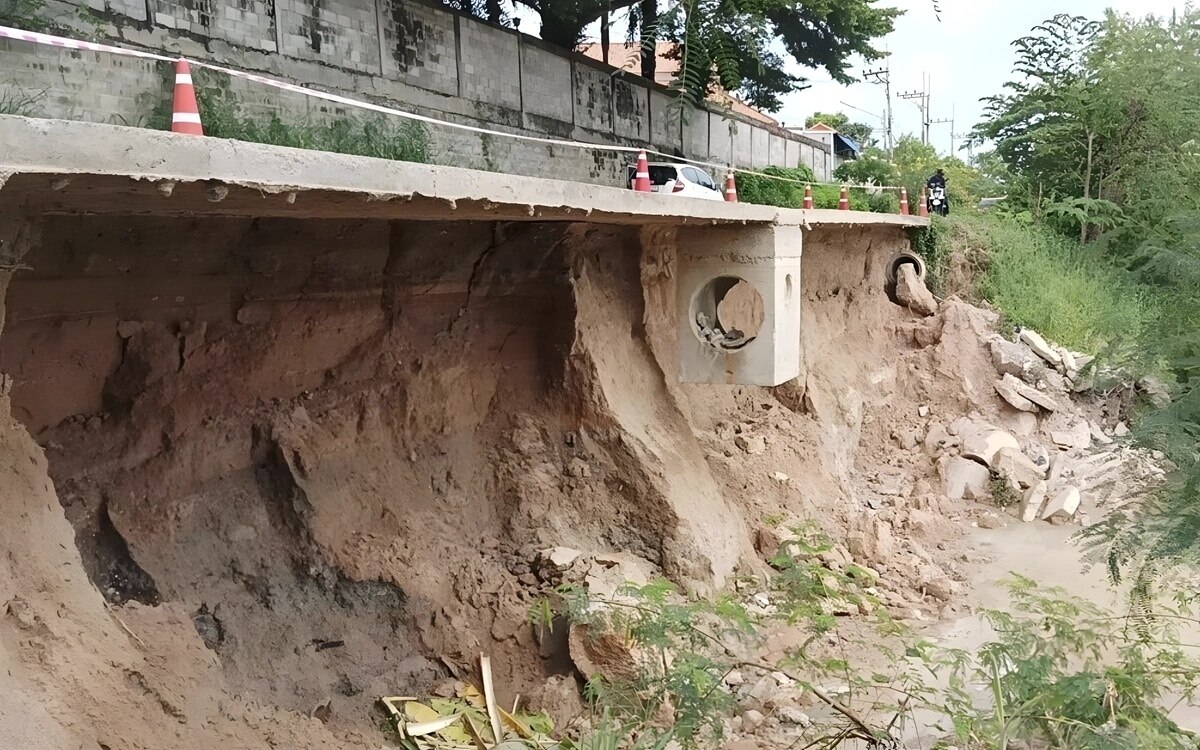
922	99
884	76
945	121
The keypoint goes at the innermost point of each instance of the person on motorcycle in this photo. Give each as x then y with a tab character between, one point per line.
935	188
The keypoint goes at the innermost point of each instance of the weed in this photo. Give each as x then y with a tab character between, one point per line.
372	136
16	101
1040	280
1004	495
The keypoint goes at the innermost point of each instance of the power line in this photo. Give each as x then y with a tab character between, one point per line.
884	76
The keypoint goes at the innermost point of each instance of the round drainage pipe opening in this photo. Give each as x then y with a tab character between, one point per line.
727	313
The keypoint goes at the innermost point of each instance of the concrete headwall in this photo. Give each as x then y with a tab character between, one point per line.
414	56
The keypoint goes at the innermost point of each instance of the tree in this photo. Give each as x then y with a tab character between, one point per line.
733	43
840	121
872	168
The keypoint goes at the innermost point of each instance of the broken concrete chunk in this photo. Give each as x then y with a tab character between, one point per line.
1040	346
1032	501
1016	466
981	442
1068	360
1098	434
1062	504
753	445
962	476
1013	396
1027	392
1078	437
560	557
912	292
1121	430
1010	358
1155	390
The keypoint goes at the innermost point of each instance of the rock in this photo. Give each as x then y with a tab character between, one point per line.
578	468
1079	436
1016	466
1068	359
922	411
1040	346
753	445
601	653
1082	360
735	679
793	715
1121	430
1012	359
1013	396
990	520
912	292
982	442
1062	504
724	430
1019	422
1038	454
1025	391
962	476
1098	434
937	438
763	693
752	720
1155	390
938	585
768	540
1031	503
779	476
560	557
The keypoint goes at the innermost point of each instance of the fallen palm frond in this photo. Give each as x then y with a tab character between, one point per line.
471	720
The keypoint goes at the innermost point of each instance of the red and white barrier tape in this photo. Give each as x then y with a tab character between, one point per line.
66	43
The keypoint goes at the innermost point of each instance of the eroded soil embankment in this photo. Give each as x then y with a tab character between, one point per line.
309	463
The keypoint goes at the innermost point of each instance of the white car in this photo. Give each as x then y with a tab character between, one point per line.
681	179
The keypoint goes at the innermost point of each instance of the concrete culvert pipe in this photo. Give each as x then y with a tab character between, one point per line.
894	264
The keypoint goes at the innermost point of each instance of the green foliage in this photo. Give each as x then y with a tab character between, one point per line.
684	646
768	192
1044	281
840	121
1062	672
933	244
1098	135
33	15
735	44
375	136
872	168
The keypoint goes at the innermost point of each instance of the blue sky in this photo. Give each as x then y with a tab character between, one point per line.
967	55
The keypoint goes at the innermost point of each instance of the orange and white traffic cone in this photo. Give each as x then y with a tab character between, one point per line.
903	201
923	209
185	115
844	199
808	201
730	189
641	177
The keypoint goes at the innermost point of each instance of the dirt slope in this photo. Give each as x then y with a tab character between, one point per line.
278	470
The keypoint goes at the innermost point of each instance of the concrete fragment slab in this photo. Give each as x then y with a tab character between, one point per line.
1032	501
963	477
1040	346
1062	504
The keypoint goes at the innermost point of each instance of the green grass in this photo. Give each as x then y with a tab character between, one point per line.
375	136
1041	280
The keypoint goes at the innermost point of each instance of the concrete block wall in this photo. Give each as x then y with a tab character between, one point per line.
419	45
412	55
